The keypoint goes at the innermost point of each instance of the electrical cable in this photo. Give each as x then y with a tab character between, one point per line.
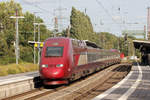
35	5
107	12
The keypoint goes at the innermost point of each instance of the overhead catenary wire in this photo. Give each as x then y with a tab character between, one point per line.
45	10
35	5
107	12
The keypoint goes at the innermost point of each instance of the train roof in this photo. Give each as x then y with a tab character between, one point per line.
87	42
57	38
91	44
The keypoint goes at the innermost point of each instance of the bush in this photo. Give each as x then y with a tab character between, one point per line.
21	69
15	69
7	60
3	72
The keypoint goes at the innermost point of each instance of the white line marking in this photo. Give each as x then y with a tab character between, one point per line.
101	96
133	87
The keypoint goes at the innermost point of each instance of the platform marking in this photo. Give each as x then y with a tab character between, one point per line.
133	87
101	96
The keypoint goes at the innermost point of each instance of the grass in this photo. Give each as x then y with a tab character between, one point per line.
15	69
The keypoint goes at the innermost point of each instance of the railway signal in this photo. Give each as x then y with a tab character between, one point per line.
34	35
37	45
39	24
126	37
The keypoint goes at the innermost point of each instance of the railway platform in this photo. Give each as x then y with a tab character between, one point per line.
135	86
16	84
17	77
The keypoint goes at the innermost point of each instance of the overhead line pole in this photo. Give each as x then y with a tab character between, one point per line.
58	19
34	40
148	24
55	26
17	35
38	40
34	37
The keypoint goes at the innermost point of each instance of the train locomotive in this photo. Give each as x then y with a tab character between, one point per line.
65	59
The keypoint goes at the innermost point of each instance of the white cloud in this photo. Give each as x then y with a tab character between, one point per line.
141	17
116	17
32	1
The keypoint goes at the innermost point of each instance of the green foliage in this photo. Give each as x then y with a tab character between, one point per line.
26	54
6	59
108	41
123	46
22	69
81	27
127	46
3	45
8	33
15	69
3	71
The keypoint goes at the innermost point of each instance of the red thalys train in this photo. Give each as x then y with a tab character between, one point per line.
64	60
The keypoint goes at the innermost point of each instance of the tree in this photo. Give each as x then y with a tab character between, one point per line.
108	40
8	32
81	27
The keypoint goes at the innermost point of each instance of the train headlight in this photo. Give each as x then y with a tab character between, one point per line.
59	65
44	66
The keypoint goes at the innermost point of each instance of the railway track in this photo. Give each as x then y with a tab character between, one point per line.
78	90
107	82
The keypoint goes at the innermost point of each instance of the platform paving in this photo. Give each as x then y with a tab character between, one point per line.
17	77
135	86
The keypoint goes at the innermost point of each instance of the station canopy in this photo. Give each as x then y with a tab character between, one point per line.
142	45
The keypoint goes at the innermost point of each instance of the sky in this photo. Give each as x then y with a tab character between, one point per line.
106	15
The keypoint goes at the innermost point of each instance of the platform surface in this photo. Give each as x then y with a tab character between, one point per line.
17	77
135	86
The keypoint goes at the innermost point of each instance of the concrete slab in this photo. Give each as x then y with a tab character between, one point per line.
17	77
136	86
16	84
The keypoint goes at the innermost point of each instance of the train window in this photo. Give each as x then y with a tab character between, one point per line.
54	51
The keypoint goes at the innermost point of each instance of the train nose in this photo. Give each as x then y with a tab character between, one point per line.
52	72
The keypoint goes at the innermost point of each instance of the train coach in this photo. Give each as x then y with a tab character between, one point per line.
64	60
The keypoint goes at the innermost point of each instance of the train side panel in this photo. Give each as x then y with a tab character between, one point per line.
91	60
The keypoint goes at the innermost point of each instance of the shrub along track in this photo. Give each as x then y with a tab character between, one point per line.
85	89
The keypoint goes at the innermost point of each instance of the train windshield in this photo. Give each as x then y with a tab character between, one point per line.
54	51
